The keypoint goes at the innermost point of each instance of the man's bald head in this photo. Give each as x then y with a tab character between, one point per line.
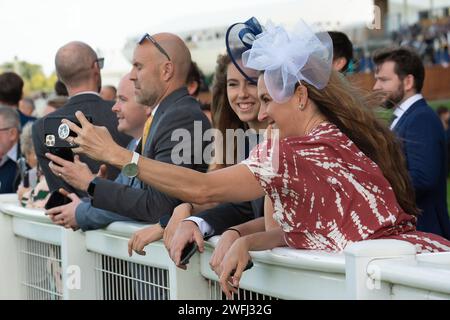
178	52
74	62
154	76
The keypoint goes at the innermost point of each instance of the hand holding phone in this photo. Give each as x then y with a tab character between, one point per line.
56	199
188	251
55	132
248	266
64	153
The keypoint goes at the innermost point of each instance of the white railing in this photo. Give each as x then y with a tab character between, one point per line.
42	261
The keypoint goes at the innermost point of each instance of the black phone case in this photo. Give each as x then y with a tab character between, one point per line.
248	266
51	125
56	199
65	153
188	251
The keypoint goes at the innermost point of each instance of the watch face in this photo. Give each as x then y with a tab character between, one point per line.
130	170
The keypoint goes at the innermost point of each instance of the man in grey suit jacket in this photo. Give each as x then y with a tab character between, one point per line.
159	74
80	213
78	67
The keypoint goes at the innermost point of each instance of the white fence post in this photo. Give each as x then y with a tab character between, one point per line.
10	287
78	265
359	276
188	284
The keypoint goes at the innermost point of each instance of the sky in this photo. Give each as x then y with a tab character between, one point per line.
34	30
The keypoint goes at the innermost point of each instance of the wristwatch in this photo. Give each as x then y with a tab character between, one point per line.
130	170
164	221
91	187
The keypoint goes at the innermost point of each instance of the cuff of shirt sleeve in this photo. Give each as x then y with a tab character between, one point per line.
204	226
80	215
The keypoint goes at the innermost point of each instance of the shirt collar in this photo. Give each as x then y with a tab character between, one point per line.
402	108
154	110
12	154
85	92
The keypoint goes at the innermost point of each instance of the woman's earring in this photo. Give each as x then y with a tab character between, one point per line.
301	107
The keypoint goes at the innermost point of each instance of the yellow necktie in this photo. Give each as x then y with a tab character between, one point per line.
147	125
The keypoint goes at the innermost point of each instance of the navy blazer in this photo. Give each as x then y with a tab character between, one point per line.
424	145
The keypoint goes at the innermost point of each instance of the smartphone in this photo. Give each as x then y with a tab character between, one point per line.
56	199
65	153
188	251
56	132
248	266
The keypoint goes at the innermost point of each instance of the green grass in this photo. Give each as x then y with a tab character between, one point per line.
387	114
437	103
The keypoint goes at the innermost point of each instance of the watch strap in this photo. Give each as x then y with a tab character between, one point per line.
91	187
135	157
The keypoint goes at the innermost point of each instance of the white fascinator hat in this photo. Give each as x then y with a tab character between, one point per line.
287	57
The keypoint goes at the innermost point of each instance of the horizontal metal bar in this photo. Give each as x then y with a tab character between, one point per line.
28	253
41	289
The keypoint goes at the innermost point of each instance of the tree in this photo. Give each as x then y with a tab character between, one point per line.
32	75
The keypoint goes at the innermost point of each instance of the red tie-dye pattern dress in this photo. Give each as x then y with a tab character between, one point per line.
327	194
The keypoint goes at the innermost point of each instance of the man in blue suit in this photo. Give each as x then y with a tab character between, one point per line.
400	74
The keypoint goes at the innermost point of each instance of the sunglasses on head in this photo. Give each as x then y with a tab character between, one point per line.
100	62
152	40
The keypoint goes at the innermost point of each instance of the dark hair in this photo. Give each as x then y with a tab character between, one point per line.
351	110
441	110
223	116
407	62
342	47
60	89
195	75
11	86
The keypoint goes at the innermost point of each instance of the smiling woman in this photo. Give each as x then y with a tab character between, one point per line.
335	176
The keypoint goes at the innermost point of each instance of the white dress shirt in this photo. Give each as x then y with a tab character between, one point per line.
205	227
401	109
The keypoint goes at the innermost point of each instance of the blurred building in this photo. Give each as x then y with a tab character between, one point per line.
367	34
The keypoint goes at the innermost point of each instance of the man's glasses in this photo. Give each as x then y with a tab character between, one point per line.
149	37
100	62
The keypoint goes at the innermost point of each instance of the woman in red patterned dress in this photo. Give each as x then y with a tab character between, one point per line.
334	174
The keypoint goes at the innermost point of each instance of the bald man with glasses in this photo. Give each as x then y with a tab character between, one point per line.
78	67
